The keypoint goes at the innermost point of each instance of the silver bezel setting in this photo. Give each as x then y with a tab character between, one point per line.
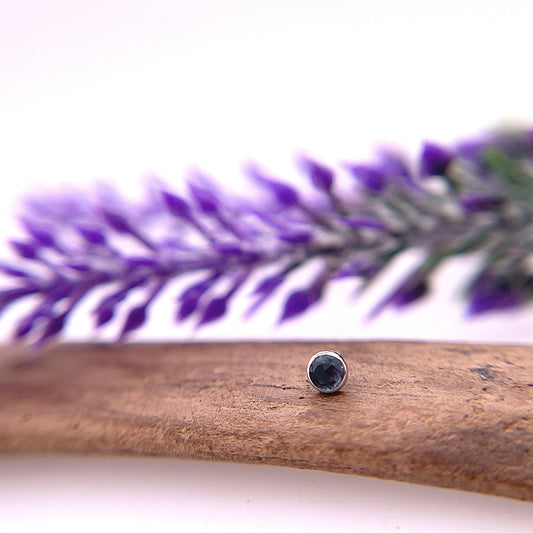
336	355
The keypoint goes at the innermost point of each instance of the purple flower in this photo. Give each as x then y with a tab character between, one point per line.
177	206
413	288
74	243
302	299
434	160
93	235
204	199
216	308
266	288
492	292
284	193
190	298
42	237
371	177
390	168
395	164
26	250
482	202
321	176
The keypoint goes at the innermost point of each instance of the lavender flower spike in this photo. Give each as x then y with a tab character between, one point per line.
215	241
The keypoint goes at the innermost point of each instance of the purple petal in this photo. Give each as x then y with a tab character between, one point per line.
360	222
434	160
270	284
14	272
135	263
188	307
494	300
121	225
9	296
490	293
53	327
413	288
60	288
264	290
24	327
54	322
474	203
369	176
177	206
138	315
104	314
411	293
25	249
41	236
98	276
321	176
295	237
296	304
215	309
190	298
230	250
227	249
136	318
299	301
116	221
78	267
105	310
92	235
205	200
394	163
27	323
285	194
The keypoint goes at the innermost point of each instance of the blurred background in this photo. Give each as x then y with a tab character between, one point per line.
119	91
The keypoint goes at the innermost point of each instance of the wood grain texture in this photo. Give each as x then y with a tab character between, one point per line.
446	415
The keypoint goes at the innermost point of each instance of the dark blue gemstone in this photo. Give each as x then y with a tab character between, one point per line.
326	372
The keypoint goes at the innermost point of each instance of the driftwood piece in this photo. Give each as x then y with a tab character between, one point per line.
446	415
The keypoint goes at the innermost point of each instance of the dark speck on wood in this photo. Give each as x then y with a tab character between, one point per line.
485	372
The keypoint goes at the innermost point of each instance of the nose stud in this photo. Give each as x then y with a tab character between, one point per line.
327	371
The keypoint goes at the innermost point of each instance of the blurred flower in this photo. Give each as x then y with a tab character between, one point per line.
75	243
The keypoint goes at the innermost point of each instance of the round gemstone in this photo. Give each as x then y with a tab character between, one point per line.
327	371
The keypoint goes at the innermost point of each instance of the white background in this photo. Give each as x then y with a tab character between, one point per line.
118	91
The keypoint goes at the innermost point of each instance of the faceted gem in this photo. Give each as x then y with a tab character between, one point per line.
327	371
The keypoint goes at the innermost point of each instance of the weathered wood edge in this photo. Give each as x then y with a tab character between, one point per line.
457	416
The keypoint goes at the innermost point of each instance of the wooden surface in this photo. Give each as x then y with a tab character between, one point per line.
445	415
